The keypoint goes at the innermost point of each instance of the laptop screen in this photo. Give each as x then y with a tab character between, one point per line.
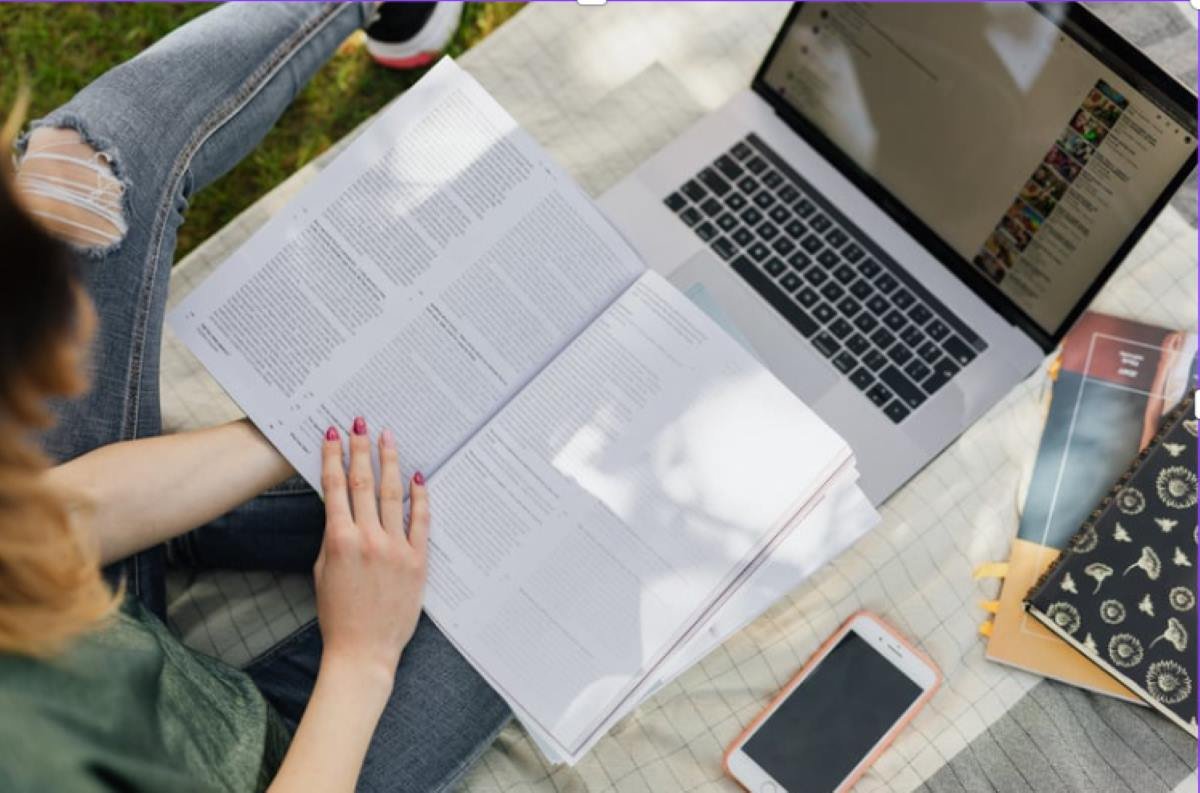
1021	150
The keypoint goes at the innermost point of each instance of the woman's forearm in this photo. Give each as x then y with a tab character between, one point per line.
136	494
331	741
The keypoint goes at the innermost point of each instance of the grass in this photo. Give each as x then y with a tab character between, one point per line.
61	48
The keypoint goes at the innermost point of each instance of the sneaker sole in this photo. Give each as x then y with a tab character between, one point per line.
426	46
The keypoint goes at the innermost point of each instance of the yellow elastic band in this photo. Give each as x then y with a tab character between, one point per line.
991	570
990	606
985	628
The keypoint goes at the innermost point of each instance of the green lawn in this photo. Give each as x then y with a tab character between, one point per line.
60	48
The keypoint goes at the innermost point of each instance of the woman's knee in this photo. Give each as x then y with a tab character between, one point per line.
72	188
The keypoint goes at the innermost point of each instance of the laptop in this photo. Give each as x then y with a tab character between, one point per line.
911	204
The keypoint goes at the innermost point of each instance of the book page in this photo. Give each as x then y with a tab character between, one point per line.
420	281
591	525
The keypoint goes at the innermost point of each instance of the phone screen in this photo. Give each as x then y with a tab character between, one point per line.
829	723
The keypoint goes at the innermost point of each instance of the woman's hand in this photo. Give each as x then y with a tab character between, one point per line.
369	574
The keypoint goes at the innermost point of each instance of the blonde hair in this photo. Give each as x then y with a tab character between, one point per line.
51	587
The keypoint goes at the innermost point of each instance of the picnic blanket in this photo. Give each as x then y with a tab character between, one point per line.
601	88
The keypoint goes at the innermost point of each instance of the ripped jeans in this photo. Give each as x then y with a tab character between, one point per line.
139	142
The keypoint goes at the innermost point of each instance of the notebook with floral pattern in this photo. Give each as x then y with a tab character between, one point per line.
1124	593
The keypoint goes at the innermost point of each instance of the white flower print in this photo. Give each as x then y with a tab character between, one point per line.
1125	650
1180	558
1120	535
1112	612
1168	682
1176	487
1181	598
1068	584
1098	571
1064	615
1146	605
1148	562
1166	524
1175	634
1131	501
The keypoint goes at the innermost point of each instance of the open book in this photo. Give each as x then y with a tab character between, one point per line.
608	469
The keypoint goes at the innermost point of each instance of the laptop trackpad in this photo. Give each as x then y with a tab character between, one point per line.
719	292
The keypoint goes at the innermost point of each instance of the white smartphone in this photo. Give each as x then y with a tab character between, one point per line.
837	715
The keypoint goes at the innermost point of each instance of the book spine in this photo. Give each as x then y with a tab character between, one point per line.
1089	524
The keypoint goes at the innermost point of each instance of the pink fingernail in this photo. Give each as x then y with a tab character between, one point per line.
360	426
331	434
419	478
387	439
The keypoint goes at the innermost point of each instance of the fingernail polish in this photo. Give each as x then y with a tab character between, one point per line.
387	439
331	434
419	478
360	426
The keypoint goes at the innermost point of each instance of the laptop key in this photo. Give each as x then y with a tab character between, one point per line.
878	305
690	216
799	260
780	214
794	229
866	322
816	276
820	223
879	395
706	231
772	179
829	258
844	362
844	273
853	253
896	411
764	200
858	344
943	370
823	312
774	267
723	248
768	289
874	360
920	314
791	282
900	354
805	208
675	202
756	164
862	378
937	330
916	370
735	201
788	194
812	243
929	352
693	190
726	165
767	231
869	268
727	221
742	236
748	184
715	182
904	389
849	307
882	338
861	289
741	150
895	321
886	283
825	344
903	299
807	297
751	217
783	246
758	251
840	328
912	336
959	350
836	238
711	207
832	291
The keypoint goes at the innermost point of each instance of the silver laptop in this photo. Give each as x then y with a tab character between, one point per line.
911	204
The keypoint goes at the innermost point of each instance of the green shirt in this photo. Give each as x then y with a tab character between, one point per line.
129	708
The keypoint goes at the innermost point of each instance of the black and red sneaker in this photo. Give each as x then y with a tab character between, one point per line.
411	35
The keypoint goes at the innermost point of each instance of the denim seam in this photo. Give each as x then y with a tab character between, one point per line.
278	647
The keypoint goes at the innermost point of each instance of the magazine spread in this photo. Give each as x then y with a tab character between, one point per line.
608	466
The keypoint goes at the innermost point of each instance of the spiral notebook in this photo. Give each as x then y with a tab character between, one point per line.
1124	593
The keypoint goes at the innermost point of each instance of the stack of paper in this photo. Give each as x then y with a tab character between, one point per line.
616	484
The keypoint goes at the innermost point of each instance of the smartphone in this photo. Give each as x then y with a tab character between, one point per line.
837	715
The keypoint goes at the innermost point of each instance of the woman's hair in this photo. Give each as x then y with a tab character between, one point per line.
51	588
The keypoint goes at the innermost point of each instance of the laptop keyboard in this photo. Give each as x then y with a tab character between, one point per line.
874	323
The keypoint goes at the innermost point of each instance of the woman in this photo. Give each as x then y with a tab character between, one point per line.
95	694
